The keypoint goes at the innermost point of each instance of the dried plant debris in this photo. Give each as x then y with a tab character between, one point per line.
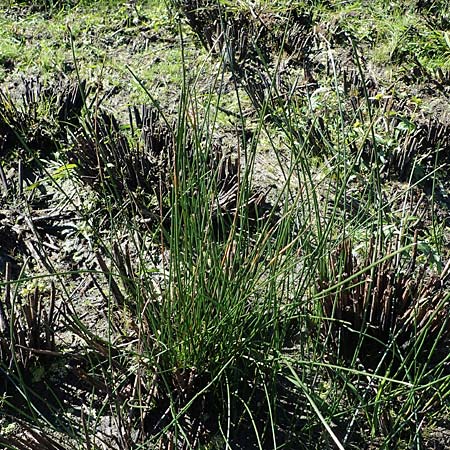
38	120
27	324
396	309
425	144
108	160
252	33
233	201
256	45
29	438
417	150
37	236
11	246
407	142
438	79
132	172
354	86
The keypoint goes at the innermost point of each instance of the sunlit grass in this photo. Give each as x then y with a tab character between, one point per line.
196	318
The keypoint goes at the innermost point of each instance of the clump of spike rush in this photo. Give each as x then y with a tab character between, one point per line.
386	309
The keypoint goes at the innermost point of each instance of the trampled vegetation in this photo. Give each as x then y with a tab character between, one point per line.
224	224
